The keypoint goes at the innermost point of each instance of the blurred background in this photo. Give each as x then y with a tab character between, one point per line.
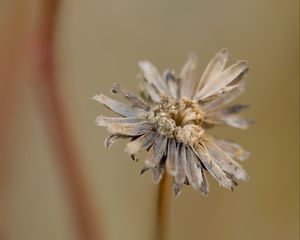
57	181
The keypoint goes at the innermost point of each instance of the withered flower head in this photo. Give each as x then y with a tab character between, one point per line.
172	119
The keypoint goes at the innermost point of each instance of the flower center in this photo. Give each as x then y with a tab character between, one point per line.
180	119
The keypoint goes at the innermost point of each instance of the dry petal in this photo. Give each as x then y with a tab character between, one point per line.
193	173
134	129
157	151
134	99
212	167
188	76
171	157
180	165
233	149
172	117
142	143
226	163
222	80
213	69
110	140
106	121
152	76
120	108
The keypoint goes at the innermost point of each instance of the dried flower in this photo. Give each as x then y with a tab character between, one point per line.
171	120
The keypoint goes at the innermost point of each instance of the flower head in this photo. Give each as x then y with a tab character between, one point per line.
172	117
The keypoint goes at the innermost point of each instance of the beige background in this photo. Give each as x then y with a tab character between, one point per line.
99	42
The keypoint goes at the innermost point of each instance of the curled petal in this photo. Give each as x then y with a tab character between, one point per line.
144	169
111	139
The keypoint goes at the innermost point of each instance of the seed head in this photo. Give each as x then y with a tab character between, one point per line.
172	118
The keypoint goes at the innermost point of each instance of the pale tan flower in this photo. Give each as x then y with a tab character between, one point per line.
171	119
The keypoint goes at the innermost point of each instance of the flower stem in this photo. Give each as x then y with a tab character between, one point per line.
163	208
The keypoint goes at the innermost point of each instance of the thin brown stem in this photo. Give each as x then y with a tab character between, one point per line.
58	123
163	208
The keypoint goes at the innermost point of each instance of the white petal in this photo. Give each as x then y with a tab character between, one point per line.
225	97
152	76
148	91
222	80
188	76
213	69
120	108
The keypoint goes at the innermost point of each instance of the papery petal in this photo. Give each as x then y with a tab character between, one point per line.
158	172
157	151
132	97
134	129
148	91
213	69
152	76
212	166
180	176
142	143
172	83
171	157
188	77
225	97
226	163
233	149
111	139
120	108
193	172
230	120
106	121
222	80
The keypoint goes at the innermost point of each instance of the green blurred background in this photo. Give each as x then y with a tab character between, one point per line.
98	42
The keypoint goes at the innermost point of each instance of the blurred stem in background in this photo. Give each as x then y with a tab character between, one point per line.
163	208
12	36
43	42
